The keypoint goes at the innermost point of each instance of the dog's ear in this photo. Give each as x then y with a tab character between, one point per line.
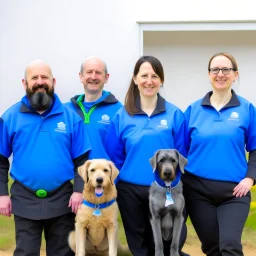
182	161
83	170
114	172
153	160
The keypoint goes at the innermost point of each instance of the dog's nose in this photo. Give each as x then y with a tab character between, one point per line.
99	180
167	174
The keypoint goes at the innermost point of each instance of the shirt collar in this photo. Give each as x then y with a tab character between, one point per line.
107	98
162	184
99	206
234	101
160	106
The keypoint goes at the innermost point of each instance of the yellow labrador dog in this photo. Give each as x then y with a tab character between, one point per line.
96	228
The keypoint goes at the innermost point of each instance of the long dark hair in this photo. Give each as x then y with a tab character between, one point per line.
133	91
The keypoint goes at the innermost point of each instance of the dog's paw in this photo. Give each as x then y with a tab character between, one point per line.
159	253
174	253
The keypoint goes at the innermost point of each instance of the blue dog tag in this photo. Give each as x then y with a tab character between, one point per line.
96	212
169	199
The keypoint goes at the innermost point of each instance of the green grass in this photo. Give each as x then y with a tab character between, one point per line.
7	234
122	236
7	237
251	220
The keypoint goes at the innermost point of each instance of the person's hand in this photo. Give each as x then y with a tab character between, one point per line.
243	187
5	206
75	201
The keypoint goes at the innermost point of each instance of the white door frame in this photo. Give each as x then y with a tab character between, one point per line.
241	25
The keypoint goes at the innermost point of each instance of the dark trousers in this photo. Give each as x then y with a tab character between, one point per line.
133	202
217	217
56	230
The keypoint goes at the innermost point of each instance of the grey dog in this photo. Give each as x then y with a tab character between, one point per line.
166	200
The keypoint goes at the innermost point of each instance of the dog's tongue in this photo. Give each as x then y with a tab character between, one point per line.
98	191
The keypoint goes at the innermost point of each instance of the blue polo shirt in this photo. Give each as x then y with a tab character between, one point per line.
216	140
132	140
96	117
43	146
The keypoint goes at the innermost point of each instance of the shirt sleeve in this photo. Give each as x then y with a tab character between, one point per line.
80	140
251	131
78	181
179	135
187	139
4	162
251	144
251	171
80	148
113	143
4	168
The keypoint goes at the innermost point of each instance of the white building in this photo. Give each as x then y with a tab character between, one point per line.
183	34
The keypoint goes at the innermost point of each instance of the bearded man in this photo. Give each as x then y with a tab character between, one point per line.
48	143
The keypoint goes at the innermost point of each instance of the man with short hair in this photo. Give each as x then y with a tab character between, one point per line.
48	143
96	106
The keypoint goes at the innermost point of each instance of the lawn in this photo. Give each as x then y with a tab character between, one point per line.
7	238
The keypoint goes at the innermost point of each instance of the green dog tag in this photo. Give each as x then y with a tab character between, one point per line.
41	193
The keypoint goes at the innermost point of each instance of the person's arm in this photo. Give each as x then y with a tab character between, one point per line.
4	162
5	201
182	136
78	181
4	168
114	145
80	148
77	197
179	134
251	144
251	171
245	184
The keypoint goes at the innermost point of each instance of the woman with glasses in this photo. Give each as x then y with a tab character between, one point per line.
218	179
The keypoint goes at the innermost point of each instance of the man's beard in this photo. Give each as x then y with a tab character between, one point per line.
40	101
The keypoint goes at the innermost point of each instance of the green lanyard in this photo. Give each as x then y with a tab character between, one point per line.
86	115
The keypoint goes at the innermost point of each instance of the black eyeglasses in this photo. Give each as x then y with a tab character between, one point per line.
225	71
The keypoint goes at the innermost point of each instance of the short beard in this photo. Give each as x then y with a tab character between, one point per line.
40	101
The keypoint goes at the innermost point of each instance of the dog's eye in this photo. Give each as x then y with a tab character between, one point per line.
162	160
92	170
105	170
173	160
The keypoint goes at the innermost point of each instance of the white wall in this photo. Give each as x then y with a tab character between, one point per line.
185	57
64	32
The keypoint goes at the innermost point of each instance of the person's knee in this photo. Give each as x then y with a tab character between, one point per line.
230	244
211	248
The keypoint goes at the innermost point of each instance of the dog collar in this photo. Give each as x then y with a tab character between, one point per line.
99	206
161	183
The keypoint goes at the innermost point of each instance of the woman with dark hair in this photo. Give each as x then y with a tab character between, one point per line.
218	179
146	123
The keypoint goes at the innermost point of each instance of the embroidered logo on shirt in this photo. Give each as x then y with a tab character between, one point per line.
61	127
234	116
105	119
163	124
